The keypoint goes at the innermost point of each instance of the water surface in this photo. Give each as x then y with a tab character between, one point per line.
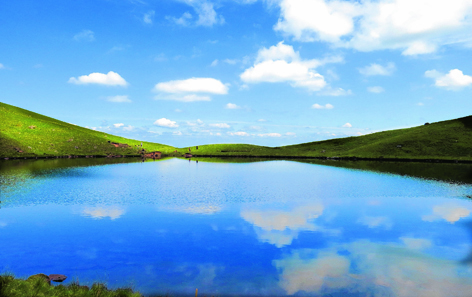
272	228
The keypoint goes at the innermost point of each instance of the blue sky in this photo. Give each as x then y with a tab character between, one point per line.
272	72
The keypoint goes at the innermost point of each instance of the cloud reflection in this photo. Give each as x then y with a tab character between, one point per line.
374	222
449	213
281	227
112	212
373	269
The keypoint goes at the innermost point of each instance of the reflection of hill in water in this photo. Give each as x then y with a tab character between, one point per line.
457	173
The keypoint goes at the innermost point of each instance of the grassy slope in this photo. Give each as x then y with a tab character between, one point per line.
442	140
52	137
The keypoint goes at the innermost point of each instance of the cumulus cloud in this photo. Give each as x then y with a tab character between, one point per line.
193	85
347	125
375	89
414	27
335	92
220	125
147	18
207	16
232	106
163	122
118	125
85	35
326	106
450	213
184	90
109	79
240	133
454	80
119	99
374	222
270	135
377	69
280	63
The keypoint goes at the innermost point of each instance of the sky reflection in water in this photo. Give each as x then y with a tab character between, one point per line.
265	228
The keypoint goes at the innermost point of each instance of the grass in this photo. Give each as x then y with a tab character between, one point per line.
38	287
38	136
447	140
41	136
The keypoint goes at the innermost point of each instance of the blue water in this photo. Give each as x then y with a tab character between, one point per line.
272	228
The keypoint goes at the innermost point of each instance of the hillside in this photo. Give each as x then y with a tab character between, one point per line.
36	135
27	134
448	140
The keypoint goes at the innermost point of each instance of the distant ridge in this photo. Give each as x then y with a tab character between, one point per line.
27	134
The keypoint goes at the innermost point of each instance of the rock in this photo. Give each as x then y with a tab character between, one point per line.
58	278
39	276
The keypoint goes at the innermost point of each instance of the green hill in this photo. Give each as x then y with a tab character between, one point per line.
27	134
36	135
448	140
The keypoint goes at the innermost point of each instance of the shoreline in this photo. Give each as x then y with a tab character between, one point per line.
406	160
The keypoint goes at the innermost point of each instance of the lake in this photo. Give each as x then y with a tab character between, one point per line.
266	228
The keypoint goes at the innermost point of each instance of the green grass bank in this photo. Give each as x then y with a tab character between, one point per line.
446	140
39	287
27	134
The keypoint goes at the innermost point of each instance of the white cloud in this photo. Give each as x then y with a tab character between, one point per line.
335	92
193	85
232	106
454	80
326	106
262	120
347	125
214	63
178	133
450	213
207	15
238	133
184	20
147	18
220	125
280	63
85	35
109	79
103	212
270	135
183	98
290	134
375	89
374	222
377	69
2	66
412	26
119	99
163	122
118	125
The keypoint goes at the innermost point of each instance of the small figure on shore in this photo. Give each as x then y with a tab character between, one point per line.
197	161
189	149
197	147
